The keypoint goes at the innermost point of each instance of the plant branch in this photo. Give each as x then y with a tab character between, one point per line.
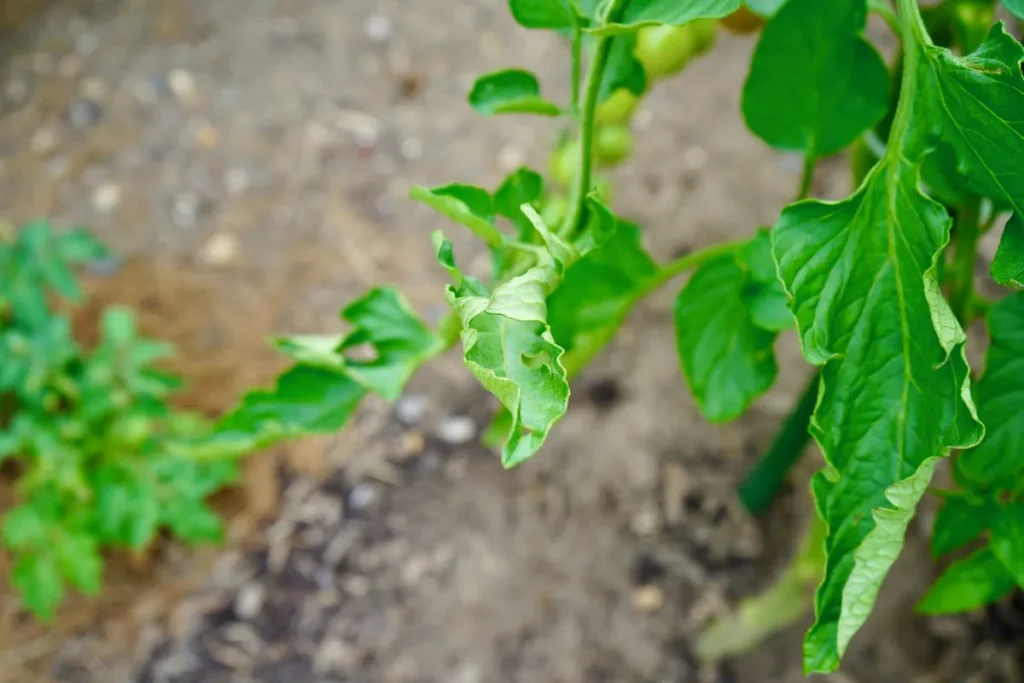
883	9
595	74
691	260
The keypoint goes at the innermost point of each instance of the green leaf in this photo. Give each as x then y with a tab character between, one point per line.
763	295
384	321
815	82
38	579
467	205
1000	398
508	347
549	14
973	104
865	294
79	560
597	293
972	582
24	527
622	69
524	186
959	521
305	400
510	91
1008	265
727	359
1007	539
1016	8
640	13
195	523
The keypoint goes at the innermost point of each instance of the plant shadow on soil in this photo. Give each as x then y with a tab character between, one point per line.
257	193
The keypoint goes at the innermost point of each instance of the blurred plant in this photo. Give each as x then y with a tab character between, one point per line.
100	458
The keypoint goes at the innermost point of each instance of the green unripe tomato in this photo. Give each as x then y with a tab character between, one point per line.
564	162
556	207
664	50
617	109
612	144
704	32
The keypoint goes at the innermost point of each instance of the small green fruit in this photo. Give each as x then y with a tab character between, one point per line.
612	144
617	109
664	50
704	33
564	162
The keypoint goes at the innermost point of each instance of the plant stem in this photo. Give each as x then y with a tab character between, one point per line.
688	261
783	604
762	483
577	58
595	74
967	234
807	177
883	9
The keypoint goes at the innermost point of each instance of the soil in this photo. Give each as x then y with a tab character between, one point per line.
251	160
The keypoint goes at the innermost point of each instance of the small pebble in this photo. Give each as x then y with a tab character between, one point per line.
363	496
412	149
236	180
249	601
378	28
510	158
95	89
207	136
183	85
106	197
695	158
336	656
186	209
412	444
649	598
148	90
457	430
83	113
219	249
646	521
410	408
357	586
43	141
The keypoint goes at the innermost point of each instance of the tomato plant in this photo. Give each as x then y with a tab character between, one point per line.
879	287
101	459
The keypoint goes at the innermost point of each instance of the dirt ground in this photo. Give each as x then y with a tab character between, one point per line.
251	159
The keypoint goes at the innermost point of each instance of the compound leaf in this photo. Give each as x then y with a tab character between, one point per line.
815	82
972	582
510	91
1000	398
1007	539
959	521
640	13
523	186
467	205
1008	265
766	8
727	358
508	347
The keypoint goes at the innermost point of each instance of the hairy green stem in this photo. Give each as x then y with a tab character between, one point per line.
764	480
595	74
968	231
577	58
